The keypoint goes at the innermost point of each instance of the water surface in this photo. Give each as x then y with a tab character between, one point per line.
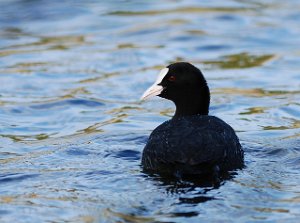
72	127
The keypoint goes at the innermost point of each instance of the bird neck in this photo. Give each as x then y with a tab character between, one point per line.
193	101
191	107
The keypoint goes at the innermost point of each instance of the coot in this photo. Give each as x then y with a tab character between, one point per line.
192	142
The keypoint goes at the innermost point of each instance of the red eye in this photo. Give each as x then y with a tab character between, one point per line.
172	78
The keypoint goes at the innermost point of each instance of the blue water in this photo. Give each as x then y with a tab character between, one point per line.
72	126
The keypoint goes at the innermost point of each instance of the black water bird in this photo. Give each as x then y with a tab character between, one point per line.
192	143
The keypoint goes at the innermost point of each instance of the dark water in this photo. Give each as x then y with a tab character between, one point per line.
72	127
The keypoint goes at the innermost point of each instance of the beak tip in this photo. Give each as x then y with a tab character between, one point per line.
144	97
156	88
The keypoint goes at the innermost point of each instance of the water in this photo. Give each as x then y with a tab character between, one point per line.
72	127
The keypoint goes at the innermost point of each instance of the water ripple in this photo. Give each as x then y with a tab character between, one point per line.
72	128
68	102
15	177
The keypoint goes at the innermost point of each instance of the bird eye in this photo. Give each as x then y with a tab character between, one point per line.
172	78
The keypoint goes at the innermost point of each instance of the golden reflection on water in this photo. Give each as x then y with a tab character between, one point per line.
292	124
102	77
95	128
62	42
51	42
109	213
182	10
71	93
90	130
295	199
254	110
257	92
21	138
27	156
293	136
241	60
123	109
270	210
29	198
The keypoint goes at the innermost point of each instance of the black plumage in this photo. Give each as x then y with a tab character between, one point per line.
192	142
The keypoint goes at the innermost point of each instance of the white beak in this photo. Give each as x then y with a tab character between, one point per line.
155	89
